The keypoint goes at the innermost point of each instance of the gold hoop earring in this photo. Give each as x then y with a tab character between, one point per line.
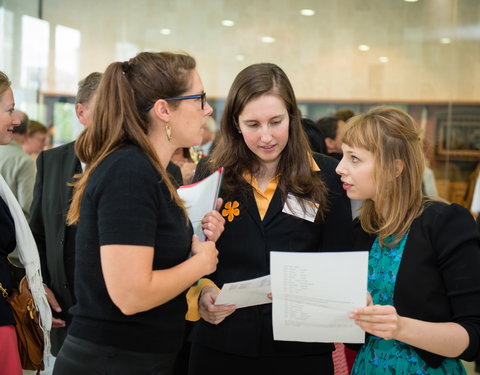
168	130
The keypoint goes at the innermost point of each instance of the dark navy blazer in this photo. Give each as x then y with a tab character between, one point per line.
244	253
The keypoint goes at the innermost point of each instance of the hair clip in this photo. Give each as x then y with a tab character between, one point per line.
125	67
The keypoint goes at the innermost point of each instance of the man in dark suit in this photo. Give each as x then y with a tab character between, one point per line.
51	200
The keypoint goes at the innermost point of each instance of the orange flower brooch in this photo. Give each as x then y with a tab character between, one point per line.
231	210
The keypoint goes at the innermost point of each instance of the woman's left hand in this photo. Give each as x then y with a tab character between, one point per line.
213	223
378	320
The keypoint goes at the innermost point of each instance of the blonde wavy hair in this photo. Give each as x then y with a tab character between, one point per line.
391	136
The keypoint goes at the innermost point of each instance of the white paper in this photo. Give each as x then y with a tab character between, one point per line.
245	293
313	294
200	198
294	208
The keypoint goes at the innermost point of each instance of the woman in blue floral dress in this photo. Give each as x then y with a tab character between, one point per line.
424	313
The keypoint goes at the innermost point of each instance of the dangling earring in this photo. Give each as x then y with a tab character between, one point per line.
168	129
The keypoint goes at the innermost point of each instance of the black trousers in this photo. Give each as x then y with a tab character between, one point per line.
204	360
82	357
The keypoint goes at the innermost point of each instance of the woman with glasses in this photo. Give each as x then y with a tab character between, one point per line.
135	253
266	158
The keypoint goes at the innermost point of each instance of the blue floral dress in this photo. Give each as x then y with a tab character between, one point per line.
379	356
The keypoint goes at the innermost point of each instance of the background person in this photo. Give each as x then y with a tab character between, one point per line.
37	139
332	130
51	200
344	114
182	159
9	357
15	233
208	138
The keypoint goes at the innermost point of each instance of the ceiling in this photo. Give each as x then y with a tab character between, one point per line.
407	58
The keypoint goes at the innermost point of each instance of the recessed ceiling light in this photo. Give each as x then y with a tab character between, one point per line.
228	23
363	47
307	12
445	40
165	31
410	1
267	39
383	59
239	57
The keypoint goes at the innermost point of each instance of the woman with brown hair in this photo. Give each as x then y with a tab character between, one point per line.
424	254
268	168
135	255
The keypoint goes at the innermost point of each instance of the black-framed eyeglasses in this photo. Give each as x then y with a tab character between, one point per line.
202	97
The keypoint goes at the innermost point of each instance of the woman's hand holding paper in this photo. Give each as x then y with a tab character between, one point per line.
213	223
210	312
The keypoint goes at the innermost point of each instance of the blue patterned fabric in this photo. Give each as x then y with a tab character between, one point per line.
381	357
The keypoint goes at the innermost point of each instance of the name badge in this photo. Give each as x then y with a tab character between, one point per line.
294	208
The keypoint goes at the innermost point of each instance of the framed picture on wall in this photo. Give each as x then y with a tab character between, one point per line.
458	136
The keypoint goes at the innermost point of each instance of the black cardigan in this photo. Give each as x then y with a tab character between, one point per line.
244	253
438	276
126	202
